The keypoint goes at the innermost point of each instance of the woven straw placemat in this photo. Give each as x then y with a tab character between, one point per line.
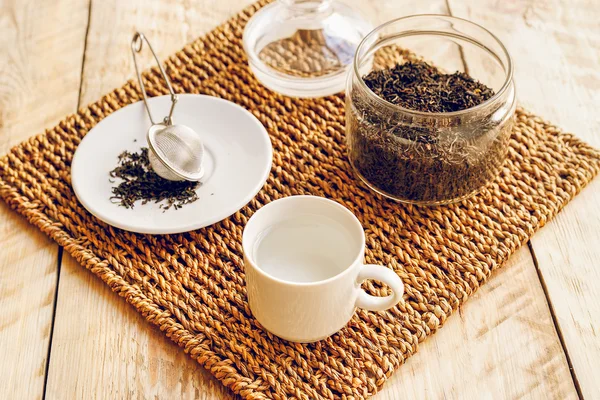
192	285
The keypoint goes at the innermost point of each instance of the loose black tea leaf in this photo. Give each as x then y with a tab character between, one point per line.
419	158
421	87
140	183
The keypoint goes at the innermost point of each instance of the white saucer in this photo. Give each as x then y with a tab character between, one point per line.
237	162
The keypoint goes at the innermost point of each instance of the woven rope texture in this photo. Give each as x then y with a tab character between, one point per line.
192	285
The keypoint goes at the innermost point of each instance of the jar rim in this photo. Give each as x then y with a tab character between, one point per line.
375	32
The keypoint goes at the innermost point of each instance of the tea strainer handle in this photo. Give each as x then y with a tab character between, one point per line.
136	47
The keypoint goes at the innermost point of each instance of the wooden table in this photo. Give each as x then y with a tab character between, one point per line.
532	331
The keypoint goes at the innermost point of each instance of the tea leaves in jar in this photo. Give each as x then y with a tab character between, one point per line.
424	160
419	86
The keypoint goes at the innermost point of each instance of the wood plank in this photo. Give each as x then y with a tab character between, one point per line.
557	77
40	65
507	324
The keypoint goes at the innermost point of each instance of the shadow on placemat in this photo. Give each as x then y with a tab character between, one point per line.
192	285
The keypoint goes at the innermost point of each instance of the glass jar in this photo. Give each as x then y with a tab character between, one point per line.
426	157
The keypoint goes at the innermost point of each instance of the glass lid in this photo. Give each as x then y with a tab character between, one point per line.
304	48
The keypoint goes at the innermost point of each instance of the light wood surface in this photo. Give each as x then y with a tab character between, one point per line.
503	343
40	68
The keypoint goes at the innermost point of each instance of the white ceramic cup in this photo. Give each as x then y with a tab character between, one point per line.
304	265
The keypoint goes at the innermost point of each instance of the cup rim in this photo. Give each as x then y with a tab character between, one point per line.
375	33
355	222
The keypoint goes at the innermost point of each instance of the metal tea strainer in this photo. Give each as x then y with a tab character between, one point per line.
175	151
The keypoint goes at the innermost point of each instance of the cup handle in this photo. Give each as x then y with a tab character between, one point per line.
382	274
